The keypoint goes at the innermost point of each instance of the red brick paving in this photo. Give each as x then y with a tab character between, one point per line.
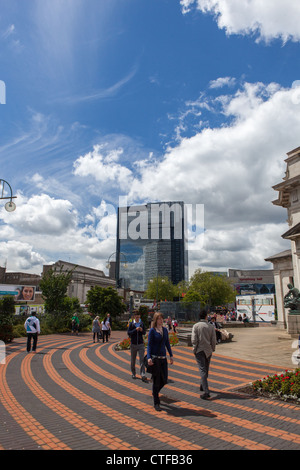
74	394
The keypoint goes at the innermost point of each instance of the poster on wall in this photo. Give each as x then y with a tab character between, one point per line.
25	293
26	310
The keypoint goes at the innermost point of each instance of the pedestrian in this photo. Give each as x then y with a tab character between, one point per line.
158	342
32	326
105	329
204	344
217	327
96	329
75	324
174	324
136	331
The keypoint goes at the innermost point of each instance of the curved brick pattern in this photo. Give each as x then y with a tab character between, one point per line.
75	394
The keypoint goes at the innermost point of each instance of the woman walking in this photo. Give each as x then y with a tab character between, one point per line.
158	342
105	328
96	329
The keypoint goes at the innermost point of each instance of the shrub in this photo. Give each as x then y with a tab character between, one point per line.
285	385
19	331
7	310
173	339
125	344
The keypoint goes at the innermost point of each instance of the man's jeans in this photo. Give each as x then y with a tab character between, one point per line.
29	337
203	364
137	348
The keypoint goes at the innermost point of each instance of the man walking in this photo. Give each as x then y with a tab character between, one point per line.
136	330
204	344
32	326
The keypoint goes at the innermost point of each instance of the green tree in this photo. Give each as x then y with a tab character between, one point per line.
54	286
213	290
182	288
143	311
58	306
160	288
104	300
7	311
192	296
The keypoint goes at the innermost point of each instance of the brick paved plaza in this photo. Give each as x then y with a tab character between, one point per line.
74	394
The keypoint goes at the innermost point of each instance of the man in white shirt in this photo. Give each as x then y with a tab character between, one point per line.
204	344
32	326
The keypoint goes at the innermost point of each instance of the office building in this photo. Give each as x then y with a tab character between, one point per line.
151	243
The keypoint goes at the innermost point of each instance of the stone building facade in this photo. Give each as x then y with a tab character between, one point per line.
83	278
287	263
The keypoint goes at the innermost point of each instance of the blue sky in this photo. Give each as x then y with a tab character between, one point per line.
193	100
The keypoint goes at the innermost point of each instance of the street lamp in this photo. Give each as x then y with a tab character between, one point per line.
253	308
131	302
10	206
108	261
125	265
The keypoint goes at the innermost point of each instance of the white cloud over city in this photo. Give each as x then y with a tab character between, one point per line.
229	169
221	143
268	19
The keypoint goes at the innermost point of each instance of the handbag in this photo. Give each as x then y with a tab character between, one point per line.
148	368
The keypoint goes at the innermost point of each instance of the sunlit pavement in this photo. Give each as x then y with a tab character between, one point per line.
73	394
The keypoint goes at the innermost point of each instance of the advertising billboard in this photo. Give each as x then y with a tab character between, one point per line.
20	293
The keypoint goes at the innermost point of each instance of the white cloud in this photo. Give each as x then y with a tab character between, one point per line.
231	170
9	35
221	82
20	256
104	167
41	214
269	18
9	31
44	229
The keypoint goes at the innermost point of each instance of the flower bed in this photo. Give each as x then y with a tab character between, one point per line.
285	386
125	344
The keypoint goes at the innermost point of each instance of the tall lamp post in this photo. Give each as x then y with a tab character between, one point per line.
10	206
253	308
131	293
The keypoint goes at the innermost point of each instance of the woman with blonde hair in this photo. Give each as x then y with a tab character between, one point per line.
158	342
96	329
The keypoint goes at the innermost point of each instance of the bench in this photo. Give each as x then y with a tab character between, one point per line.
185	337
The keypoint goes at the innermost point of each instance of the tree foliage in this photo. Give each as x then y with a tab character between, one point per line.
102	300
212	289
7	310
160	288
192	296
54	286
59	308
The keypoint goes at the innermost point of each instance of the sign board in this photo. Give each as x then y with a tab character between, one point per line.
20	293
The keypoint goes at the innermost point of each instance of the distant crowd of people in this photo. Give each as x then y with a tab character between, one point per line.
227	315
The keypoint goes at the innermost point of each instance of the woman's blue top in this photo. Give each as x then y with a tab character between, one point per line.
154	341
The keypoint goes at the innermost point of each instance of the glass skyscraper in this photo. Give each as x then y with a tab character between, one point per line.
151	240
